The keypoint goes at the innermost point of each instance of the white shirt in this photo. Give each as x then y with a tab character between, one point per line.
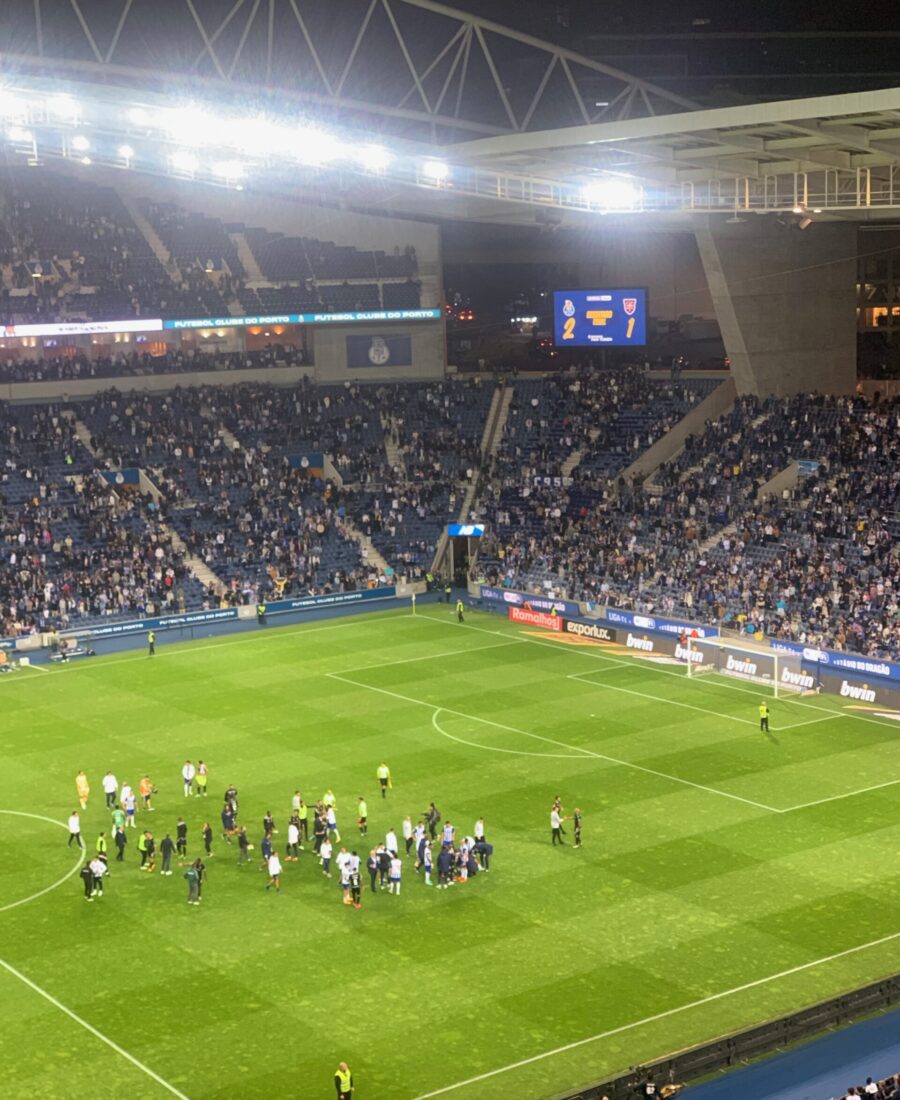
98	867
479	829
396	867
390	841
110	783
330	816
325	850
274	865
342	860
295	802
353	864
407	829
293	834
74	824
555	819
188	772
126	793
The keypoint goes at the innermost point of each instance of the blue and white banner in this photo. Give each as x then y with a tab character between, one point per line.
654	622
334	599
350	318
165	622
854	663
533	603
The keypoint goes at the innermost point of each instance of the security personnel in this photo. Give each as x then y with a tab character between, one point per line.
764	717
151	642
459	611
448	591
261	613
343	1082
429	582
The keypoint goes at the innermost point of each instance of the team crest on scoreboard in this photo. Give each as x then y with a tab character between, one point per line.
629	305
568	308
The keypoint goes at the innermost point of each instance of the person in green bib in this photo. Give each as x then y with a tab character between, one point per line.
384	778
362	816
118	818
151	642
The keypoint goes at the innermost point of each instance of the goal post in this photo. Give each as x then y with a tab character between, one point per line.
773	671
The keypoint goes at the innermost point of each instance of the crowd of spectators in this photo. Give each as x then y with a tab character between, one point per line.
815	564
886	1089
134	363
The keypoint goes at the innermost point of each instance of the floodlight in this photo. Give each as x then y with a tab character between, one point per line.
17	133
126	152
138	116
11	106
374	158
229	169
63	107
189	125
80	143
610	193
436	170
183	161
256	137
86	160
315	147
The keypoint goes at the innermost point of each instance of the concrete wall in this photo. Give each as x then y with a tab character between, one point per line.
786	303
428	352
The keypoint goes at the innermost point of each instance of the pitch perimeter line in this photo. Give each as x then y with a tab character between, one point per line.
587	753
711	999
89	1027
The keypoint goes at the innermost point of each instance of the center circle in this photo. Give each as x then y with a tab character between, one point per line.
52	886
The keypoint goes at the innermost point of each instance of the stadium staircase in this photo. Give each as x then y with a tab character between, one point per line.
230	440
371	553
151	237
83	434
392	450
718	403
786	479
254	273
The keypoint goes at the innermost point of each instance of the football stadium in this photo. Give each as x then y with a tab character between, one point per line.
448	497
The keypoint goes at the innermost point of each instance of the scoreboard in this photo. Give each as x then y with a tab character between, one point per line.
600	318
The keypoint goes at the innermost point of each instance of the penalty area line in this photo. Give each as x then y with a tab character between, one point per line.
10	969
711	999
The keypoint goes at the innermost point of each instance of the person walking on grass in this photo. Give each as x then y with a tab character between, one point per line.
151	854
576	825
75	830
83	789
110	786
384	779
181	838
395	873
98	870
293	842
167	850
200	868
192	875
87	877
362	816
202	779
325	857
460	618
406	829
151	643
121	840
207	838
274	873
372	868
243	846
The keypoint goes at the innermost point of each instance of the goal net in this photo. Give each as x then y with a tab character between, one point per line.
779	673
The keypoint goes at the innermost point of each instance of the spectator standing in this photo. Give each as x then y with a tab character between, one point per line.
167	850
343	1082
188	773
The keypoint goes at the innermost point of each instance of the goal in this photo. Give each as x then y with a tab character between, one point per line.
780	673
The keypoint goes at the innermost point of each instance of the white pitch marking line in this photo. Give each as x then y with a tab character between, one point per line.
460	714
811	722
59	882
560	744
711	999
89	1027
838	797
496	748
435	656
656	699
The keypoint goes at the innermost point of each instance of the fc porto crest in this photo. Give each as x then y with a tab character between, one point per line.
568	308
379	352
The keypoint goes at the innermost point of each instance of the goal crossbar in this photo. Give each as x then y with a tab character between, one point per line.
754	662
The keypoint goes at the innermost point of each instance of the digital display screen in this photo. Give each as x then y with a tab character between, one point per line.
600	318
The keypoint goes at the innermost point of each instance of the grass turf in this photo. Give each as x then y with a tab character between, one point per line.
708	894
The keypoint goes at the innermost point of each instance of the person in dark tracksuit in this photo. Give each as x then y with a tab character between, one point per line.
121	839
167	850
181	838
208	838
372	868
87	877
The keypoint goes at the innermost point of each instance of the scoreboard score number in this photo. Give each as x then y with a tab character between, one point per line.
600	318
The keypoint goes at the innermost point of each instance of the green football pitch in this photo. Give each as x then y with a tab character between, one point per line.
726	876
